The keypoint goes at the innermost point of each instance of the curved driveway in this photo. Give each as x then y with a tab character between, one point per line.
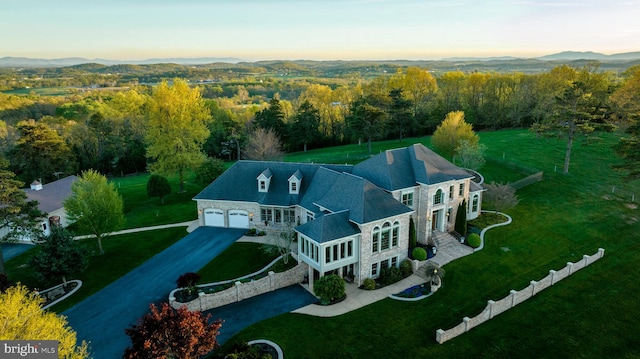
102	318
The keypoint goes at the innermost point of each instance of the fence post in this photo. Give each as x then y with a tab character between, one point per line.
439	335
570	267
490	303
238	284
466	320
533	287
601	251
553	276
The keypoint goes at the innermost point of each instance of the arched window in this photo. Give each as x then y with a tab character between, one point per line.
437	198
386	236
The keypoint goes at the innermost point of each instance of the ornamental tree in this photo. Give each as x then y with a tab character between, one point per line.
500	196
95	205
329	287
167	333
23	318
451	132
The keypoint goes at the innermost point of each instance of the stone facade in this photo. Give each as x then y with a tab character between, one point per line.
240	291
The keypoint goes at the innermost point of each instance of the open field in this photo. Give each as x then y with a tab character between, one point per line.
592	314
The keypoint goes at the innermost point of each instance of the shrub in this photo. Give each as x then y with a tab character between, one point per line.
390	275
474	240
419	254
369	284
188	281
329	288
252	232
406	268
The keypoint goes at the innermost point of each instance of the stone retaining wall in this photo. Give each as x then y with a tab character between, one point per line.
514	298
240	291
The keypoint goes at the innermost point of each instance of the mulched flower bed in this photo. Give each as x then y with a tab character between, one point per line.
415	292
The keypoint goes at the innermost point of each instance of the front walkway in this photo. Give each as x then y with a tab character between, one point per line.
103	317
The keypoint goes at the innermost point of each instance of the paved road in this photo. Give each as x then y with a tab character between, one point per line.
103	317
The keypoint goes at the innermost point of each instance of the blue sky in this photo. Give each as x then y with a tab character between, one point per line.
315	29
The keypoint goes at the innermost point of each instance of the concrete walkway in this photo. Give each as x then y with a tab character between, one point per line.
103	317
191	225
358	298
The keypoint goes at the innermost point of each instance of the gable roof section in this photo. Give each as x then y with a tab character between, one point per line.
328	227
406	167
51	196
365	201
238	183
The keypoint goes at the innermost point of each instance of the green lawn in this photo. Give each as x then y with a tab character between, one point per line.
227	265
141	210
592	314
122	254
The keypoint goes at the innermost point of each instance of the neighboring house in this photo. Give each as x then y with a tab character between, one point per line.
353	220
50	197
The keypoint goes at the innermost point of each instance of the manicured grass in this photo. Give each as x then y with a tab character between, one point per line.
592	314
142	211
122	254
241	258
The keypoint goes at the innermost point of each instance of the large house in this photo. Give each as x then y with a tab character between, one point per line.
353	220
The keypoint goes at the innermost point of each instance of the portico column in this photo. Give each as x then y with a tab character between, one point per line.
310	278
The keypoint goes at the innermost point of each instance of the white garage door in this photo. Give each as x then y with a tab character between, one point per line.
238	219
213	217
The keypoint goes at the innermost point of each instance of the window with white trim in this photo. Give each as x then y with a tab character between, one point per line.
375	242
437	198
461	190
407	199
474	204
450	192
374	269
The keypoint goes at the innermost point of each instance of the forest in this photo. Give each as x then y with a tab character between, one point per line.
60	121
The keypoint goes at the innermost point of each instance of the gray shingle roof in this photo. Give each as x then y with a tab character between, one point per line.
406	167
365	201
239	182
328	227
51	196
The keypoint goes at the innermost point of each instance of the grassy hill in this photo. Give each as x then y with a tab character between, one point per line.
592	314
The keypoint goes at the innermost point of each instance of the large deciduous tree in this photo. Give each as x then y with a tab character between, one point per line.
18	216
579	107
23	318
177	129
95	205
629	149
263	145
451	132
167	333
470	155
40	153
59	255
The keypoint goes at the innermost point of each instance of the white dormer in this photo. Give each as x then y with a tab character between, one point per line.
294	182
263	180
36	185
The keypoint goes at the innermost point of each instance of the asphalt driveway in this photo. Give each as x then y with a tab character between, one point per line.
102	318
238	316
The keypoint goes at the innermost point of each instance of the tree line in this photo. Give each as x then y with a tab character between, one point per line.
46	137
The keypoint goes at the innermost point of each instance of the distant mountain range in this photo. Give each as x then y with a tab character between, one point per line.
72	61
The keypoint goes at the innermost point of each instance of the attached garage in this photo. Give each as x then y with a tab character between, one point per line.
213	217
238	219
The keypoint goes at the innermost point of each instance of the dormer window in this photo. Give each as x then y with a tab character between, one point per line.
294	182
264	179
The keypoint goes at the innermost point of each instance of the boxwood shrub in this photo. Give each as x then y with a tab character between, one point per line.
369	284
390	275
474	240
406	268
419	254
